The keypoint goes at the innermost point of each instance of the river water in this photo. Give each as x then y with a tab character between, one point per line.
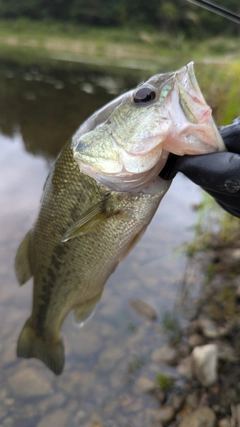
41	106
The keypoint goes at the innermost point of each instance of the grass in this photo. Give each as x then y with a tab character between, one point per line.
164	381
139	48
143	50
214	228
171	327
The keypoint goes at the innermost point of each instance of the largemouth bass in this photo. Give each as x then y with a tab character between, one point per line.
100	196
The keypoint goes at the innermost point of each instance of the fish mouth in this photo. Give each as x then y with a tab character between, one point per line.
126	180
191	116
190	96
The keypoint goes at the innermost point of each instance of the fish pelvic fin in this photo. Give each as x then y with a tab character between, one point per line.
22	261
91	219
51	353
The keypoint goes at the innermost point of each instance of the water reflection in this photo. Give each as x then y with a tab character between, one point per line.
47	104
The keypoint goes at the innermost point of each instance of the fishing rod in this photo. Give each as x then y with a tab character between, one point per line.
219	10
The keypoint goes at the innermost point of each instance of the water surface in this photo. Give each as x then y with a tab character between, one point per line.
41	106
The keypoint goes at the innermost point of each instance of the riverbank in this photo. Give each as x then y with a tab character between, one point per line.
119	47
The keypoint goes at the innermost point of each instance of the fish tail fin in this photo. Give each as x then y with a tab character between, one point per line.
51	353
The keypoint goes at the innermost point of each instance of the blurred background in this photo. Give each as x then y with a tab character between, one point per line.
60	61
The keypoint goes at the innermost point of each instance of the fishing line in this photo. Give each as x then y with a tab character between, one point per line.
219	10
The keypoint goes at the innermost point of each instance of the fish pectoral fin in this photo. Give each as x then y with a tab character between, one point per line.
50	353
91	219
22	261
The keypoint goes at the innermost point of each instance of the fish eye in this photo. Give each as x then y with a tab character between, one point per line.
144	95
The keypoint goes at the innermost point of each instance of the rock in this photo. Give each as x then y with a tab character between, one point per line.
201	417
177	401
184	350
185	368
144	385
237	292
23	422
136	406
163	415
195	340
57	418
192	400
143	309
224	422
226	352
236	283
204	362
165	354
109	358
209	329
29	383
83	342
77	382
55	400
8	422
236	254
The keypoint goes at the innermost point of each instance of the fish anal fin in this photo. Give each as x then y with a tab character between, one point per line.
22	261
132	244
51	353
85	311
91	219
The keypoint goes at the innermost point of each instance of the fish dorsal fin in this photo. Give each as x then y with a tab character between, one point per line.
22	261
85	311
90	219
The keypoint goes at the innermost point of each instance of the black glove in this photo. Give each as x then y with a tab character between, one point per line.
217	173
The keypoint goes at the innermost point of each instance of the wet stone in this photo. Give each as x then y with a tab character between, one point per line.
85	343
143	309
224	422
29	383
164	415
195	340
165	354
205	363
24	422
144	385
177	401
185	368
100	393
109	357
209	329
136	406
57	418
8	422
184	350
202	417
192	400
226	352
76	382
55	400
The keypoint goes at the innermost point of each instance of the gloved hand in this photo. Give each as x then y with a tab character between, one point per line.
217	173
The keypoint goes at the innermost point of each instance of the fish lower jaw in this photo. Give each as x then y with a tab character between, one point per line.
125	181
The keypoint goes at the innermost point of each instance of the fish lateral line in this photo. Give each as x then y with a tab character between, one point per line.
91	219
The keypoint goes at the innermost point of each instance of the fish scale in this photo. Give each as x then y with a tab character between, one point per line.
70	274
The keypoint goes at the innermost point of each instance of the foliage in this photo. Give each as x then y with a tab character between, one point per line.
177	16
164	382
171	327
